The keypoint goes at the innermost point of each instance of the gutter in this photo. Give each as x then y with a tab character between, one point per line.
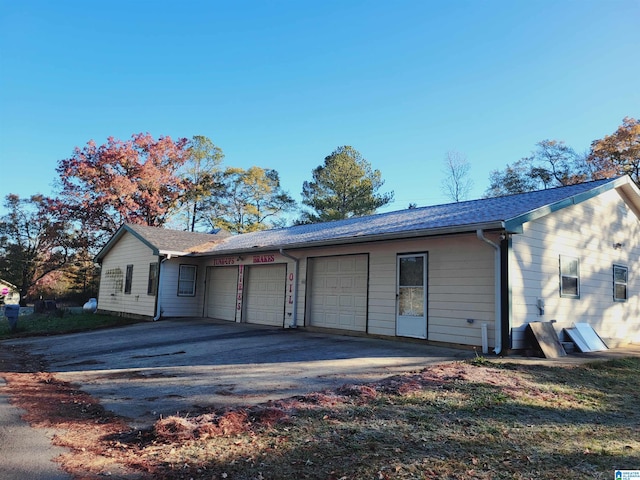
294	319
158	305
498	291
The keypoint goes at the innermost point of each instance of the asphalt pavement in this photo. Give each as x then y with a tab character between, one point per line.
149	370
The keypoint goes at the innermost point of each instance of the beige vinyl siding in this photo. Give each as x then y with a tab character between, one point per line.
173	305
586	231
382	290
111	297
461	290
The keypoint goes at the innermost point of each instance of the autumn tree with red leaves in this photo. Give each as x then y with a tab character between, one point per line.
133	181
618	153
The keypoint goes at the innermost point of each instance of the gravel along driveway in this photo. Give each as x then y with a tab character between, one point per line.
148	370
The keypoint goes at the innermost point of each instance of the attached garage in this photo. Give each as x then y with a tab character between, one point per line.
264	294
222	283
338	292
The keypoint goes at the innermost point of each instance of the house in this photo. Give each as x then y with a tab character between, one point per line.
9	293
471	273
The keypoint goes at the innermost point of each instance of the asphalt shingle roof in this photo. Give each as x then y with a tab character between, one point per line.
175	240
460	215
512	211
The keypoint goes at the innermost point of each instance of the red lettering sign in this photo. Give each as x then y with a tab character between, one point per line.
264	258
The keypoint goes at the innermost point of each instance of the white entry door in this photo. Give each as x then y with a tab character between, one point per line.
411	294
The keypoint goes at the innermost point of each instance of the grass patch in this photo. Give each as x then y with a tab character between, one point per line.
460	421
60	321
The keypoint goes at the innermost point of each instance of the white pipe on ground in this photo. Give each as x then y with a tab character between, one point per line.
485	338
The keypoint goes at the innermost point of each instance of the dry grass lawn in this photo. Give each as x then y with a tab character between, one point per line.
463	420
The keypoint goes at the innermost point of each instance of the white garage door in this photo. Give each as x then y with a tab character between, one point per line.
221	293
339	292
264	294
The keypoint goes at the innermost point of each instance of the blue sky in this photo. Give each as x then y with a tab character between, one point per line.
281	84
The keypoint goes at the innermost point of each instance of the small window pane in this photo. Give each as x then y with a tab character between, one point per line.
569	286
411	302
187	280
569	277
620	274
412	271
570	267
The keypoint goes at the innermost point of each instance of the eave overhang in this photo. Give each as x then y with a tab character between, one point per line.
358	239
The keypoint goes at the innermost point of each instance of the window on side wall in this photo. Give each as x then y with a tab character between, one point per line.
128	279
620	276
569	277
187	281
152	285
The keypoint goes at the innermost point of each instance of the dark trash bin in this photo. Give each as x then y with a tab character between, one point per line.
44	306
12	312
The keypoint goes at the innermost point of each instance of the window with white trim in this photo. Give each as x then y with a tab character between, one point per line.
620	279
187	281
569	277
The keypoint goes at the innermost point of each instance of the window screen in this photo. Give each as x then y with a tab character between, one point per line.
187	281
569	277
152	286
620	277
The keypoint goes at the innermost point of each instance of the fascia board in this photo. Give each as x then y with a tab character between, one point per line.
631	196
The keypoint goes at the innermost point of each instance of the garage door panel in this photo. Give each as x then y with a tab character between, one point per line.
346	301
221	293
338	293
360	283
265	294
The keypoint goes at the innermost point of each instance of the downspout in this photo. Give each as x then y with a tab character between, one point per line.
498	291
158	306
294	319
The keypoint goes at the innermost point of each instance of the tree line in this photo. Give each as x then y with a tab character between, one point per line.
47	244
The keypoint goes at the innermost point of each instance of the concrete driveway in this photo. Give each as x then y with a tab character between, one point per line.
157	369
